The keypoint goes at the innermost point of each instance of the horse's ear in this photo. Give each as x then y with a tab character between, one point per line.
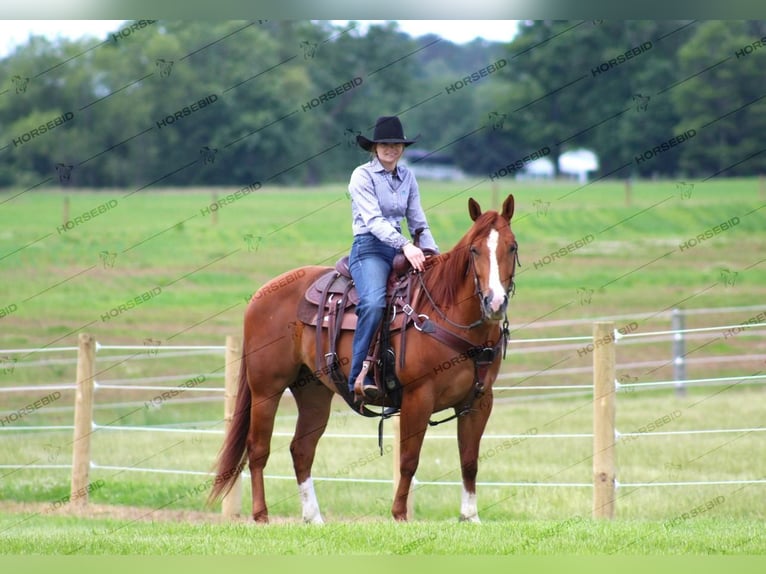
508	206
473	209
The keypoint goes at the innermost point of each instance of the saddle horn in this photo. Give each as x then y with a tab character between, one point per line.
401	265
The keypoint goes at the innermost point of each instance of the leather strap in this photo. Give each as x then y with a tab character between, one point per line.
482	356
320	322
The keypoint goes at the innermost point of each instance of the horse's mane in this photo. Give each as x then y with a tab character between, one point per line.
448	270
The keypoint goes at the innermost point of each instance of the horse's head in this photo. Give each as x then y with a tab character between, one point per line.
493	256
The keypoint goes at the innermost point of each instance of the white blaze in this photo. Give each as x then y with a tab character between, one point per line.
495	285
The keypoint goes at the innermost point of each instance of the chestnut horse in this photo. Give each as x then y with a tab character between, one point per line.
452	358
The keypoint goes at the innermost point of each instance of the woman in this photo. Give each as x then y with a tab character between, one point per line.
382	194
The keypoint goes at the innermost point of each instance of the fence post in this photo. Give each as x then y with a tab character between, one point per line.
603	420
83	420
65	211
679	352
231	503
396	453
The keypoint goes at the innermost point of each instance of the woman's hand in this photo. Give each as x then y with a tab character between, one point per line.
415	256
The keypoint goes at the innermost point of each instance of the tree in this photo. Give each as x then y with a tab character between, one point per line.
723	101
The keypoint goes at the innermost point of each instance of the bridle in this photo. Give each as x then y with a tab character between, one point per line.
509	292
482	355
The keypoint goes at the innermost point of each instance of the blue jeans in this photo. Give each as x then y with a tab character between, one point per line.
370	264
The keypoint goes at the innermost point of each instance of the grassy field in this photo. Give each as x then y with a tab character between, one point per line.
637	258
138	512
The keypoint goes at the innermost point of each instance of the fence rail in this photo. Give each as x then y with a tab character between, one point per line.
605	436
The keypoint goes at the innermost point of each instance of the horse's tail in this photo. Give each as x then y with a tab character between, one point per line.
231	459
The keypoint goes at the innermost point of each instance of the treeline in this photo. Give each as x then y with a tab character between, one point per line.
240	103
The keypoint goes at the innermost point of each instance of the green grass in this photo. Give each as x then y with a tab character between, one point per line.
707	536
632	268
207	269
204	267
517	519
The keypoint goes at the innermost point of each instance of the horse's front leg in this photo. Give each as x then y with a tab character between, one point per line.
470	427
413	421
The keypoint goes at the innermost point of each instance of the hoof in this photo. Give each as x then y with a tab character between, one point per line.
473	518
261	517
315	519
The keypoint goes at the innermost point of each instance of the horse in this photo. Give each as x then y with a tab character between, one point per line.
451	360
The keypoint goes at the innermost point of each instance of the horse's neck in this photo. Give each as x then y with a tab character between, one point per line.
466	311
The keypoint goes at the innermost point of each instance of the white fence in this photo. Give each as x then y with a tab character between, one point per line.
602	344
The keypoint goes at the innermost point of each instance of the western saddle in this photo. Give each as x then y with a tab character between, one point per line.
329	305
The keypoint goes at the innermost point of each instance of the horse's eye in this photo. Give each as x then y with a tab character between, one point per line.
474	251
514	247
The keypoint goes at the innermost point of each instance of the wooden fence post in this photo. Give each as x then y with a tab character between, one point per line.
65	211
603	420
231	504
396	454
83	420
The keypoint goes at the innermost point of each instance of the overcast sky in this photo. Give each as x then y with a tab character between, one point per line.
15	32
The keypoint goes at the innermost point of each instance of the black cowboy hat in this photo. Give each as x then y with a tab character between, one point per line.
388	129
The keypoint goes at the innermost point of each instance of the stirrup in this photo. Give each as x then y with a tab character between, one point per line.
362	388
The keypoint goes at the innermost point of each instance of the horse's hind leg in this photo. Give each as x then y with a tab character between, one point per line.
313	400
262	412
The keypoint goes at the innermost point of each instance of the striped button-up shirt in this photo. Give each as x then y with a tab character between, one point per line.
381	199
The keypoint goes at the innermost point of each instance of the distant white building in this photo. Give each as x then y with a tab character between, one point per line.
432	165
541	168
575	163
578	163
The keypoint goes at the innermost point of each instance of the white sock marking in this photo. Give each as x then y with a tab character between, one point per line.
468	509
309	502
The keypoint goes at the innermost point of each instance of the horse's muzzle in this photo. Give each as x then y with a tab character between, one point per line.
493	308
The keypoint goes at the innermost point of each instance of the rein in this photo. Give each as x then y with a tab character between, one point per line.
477	292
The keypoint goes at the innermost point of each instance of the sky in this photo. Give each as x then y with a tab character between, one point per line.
15	32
